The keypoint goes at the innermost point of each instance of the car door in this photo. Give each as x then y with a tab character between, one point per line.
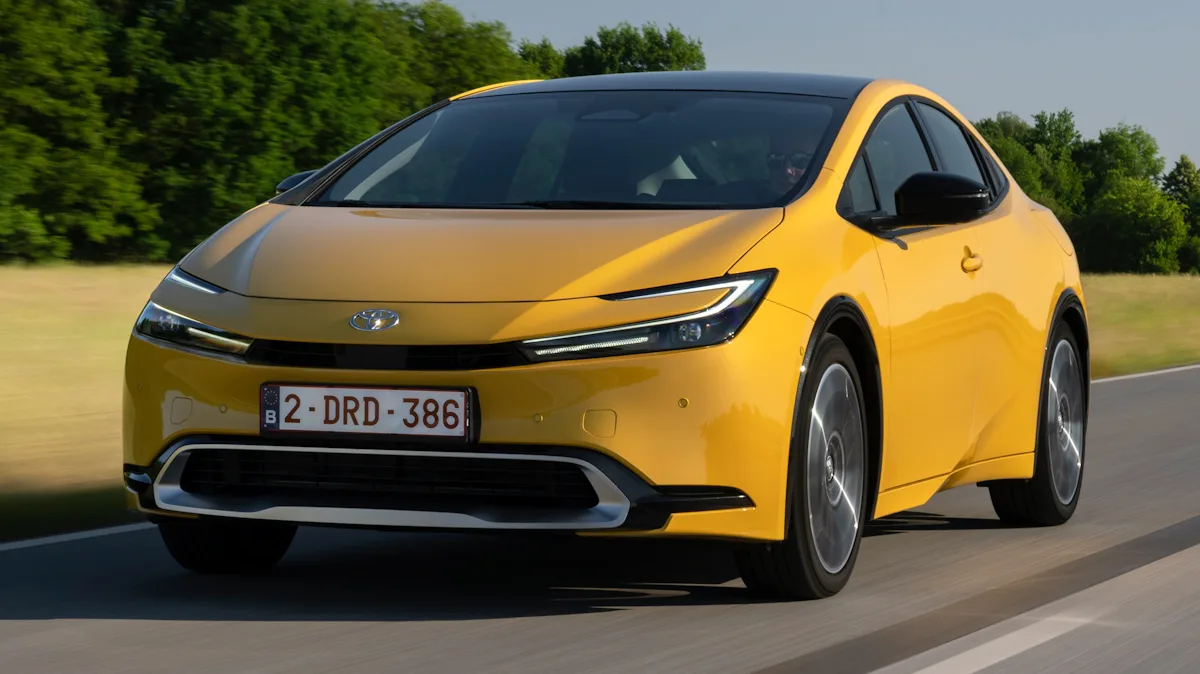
930	389
1021	270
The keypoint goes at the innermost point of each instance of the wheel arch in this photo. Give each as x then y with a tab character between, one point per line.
1069	309
842	317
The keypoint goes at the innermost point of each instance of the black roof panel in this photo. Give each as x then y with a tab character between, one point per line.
833	86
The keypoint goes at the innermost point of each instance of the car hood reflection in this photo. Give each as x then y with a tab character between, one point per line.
440	255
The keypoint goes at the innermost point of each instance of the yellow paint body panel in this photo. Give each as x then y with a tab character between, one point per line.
960	354
734	430
490	87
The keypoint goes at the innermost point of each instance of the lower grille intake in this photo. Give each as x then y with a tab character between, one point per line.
387	481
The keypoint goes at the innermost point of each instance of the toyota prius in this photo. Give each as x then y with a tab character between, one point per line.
759	309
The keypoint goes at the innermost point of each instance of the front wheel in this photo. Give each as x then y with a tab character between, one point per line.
1050	497
828	486
226	546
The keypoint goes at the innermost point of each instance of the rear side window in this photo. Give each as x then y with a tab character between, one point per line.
895	152
951	144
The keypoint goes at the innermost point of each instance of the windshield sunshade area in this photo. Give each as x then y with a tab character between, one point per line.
597	150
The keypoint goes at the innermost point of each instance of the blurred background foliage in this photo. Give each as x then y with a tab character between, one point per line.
130	130
1123	213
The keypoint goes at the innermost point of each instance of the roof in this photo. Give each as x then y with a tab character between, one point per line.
832	86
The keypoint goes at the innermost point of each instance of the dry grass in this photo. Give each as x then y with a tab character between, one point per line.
1141	323
63	331
62	347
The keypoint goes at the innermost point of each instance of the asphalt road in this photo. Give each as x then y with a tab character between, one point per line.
944	589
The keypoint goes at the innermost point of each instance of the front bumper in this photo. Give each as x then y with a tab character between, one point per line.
687	443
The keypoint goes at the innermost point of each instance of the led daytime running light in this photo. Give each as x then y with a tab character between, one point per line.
239	344
737	289
555	350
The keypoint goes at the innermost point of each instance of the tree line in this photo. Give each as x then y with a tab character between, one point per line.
1122	212
130	130
133	129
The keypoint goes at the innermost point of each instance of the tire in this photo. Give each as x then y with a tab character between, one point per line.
825	515
226	546
1050	497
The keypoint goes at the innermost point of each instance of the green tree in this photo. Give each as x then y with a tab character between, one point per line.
1183	185
1040	158
64	188
453	55
1055	131
1024	168
1005	125
230	97
1189	256
625	49
1132	227
1122	151
1183	182
1053	140
545	59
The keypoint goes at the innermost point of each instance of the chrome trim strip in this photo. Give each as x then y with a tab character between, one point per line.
610	512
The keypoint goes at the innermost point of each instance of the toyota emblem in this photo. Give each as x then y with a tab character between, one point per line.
372	320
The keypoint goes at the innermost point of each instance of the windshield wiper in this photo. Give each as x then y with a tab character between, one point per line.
588	204
351	203
549	204
359	203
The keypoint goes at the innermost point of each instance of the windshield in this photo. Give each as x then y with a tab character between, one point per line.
598	149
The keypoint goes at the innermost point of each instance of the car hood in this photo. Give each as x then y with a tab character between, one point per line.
438	255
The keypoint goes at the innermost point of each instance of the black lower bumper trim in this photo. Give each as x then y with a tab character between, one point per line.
651	506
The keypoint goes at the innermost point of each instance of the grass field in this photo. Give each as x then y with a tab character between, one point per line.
62	351
62	347
1141	323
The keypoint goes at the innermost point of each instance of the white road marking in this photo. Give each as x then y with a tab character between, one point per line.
1000	642
96	533
1000	649
77	536
1153	373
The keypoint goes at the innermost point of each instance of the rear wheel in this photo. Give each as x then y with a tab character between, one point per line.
1050	497
828	487
226	546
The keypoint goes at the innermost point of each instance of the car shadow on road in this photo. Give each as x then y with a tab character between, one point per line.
369	576
914	521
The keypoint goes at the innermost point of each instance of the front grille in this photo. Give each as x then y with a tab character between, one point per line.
388	481
384	357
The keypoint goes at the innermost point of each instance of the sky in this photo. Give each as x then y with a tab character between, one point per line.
1108	61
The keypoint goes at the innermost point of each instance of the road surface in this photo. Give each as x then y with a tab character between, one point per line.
942	589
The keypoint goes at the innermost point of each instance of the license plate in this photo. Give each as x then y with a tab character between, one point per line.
435	413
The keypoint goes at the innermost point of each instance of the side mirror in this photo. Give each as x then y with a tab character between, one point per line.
292	181
931	198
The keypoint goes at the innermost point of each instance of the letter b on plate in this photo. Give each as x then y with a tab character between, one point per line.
270	407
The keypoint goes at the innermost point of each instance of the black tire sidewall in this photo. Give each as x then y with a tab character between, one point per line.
226	545
829	351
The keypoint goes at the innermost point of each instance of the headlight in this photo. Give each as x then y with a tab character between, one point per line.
717	324
169	326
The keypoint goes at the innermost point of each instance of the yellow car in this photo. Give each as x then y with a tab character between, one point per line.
762	309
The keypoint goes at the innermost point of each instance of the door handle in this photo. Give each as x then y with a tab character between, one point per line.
971	263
